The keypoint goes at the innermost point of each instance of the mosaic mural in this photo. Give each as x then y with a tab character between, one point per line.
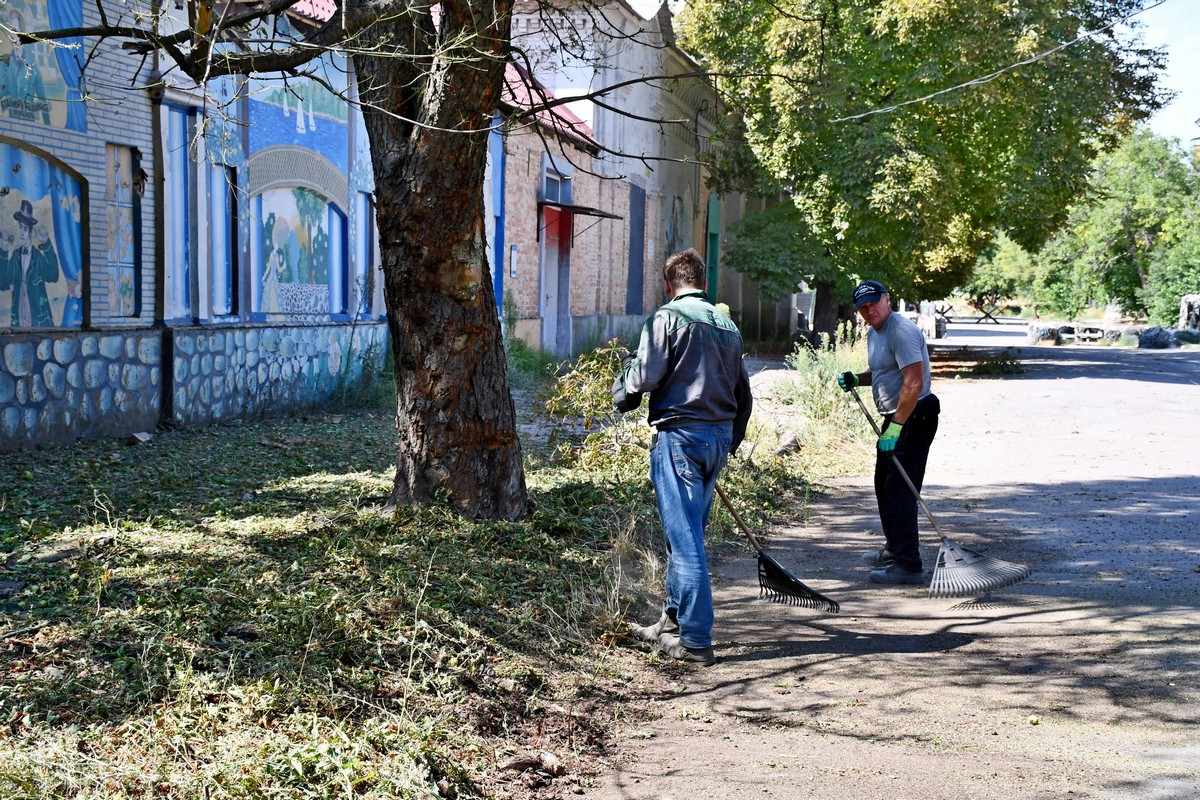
295	252
41	243
40	82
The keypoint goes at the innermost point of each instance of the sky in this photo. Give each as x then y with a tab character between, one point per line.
1176	24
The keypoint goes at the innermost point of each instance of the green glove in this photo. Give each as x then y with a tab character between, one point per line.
847	380
887	439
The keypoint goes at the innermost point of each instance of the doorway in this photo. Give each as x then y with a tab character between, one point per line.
556	282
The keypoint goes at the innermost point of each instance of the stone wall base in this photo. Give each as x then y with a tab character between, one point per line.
56	387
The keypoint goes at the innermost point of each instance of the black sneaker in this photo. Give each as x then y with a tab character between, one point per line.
650	633
879	559
896	575
670	646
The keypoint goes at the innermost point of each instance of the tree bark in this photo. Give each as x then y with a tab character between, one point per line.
427	112
825	314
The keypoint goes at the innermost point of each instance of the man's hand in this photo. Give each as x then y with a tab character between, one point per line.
887	439
847	380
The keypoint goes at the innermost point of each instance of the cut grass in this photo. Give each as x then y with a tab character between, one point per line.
224	612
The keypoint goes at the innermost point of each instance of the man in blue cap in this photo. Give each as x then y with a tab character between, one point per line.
898	374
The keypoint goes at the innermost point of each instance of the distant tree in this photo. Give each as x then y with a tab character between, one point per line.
912	194
1063	282
770	247
1129	239
1003	270
1174	272
1138	205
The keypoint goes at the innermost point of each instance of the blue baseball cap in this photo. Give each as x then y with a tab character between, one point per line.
868	292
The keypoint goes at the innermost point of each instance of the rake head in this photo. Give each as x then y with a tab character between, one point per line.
962	573
780	586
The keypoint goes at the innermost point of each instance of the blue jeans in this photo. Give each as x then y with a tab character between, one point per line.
684	465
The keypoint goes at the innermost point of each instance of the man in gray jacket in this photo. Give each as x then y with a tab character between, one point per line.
689	359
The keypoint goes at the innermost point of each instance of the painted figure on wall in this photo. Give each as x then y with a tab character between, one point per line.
41	242
31	264
39	82
294	252
21	88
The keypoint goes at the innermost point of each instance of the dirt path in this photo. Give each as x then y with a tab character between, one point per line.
1082	682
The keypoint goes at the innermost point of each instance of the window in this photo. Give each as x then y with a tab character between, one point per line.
223	230
554	188
364	239
178	207
122	200
338	267
556	181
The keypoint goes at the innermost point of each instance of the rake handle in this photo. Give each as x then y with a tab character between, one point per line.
738	519
899	466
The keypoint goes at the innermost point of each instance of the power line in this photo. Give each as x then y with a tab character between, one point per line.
993	75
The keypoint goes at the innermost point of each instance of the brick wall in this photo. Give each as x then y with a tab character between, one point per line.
599	251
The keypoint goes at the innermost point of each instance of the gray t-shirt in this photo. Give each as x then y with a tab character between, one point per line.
890	349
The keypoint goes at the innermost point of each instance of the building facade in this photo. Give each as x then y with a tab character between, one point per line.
652	113
171	254
179	254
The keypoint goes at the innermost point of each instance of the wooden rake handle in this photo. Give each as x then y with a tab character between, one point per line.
899	466
738	519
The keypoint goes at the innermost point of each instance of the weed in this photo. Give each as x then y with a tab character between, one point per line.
527	367
1005	363
834	437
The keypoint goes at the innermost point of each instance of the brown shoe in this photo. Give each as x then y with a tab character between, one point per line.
670	646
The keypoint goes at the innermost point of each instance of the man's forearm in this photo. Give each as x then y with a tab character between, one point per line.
909	394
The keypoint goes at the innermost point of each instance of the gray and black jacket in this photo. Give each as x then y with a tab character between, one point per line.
690	361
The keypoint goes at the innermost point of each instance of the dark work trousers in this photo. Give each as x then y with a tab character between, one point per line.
897	505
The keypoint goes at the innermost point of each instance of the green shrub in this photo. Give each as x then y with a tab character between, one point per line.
588	429
834	437
528	367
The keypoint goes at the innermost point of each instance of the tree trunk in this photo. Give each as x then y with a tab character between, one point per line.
427	115
825	314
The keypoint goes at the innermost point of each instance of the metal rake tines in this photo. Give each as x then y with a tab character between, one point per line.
777	585
961	572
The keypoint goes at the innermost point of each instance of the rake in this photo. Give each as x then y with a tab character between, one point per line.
959	572
776	583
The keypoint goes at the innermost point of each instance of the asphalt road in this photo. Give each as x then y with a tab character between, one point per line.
1081	682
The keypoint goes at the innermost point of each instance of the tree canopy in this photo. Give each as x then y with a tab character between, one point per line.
908	133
